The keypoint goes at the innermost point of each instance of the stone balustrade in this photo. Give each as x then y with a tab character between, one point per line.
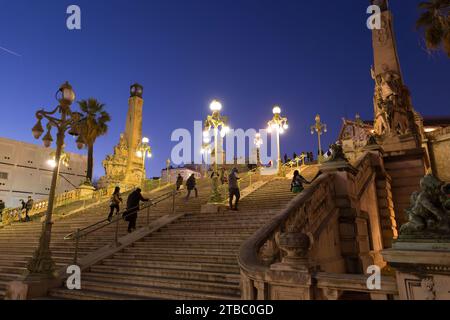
321	228
281	246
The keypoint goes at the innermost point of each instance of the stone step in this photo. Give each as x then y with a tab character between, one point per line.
64	294
175	250
170	265
147	292
187	257
169	273
131	280
187	246
194	238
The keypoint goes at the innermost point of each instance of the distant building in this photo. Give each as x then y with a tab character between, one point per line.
25	171
184	171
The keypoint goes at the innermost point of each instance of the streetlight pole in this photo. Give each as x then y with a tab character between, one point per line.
219	124
279	124
206	150
258	143
168	170
42	264
320	128
143	151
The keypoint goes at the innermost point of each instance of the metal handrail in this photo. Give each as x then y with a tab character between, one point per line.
76	234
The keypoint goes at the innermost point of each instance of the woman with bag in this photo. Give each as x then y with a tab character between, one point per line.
114	204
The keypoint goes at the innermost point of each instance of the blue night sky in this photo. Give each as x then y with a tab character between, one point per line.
307	56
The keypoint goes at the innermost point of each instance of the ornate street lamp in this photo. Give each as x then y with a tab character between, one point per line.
258	141
320	128
279	125
42	265
168	170
64	159
144	151
206	151
219	124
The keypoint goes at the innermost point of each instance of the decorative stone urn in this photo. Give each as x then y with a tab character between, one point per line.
296	245
86	190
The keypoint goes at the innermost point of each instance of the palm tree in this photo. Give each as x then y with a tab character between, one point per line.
94	125
435	20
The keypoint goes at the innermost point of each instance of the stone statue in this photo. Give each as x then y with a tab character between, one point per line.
371	140
429	213
115	165
337	153
392	100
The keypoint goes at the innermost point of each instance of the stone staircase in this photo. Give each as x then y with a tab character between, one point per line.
19	240
194	257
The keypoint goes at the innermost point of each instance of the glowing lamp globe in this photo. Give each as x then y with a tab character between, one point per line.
51	163
65	94
276	110
38	130
215	105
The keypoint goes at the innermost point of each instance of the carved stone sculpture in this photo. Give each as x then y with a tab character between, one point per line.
337	153
429	214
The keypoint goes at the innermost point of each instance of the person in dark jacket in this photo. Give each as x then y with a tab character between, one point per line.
191	184
133	207
2	207
116	199
22	209
233	188
179	181
28	207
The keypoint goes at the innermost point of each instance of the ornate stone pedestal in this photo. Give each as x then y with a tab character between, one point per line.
86	191
422	269
421	256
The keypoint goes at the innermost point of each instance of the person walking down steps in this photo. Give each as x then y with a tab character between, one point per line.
191	184
115	203
131	213
179	181
233	187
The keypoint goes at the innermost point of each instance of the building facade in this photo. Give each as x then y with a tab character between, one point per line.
25	171
185	172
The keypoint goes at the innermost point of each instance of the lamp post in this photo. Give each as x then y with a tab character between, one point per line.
144	151
218	123
42	264
258	141
168	170
205	151
320	128
64	159
279	125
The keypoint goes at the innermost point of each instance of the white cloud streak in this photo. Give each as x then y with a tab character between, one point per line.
10	52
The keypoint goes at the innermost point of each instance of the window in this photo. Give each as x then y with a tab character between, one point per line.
4	175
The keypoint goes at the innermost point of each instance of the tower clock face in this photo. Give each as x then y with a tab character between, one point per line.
136	90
